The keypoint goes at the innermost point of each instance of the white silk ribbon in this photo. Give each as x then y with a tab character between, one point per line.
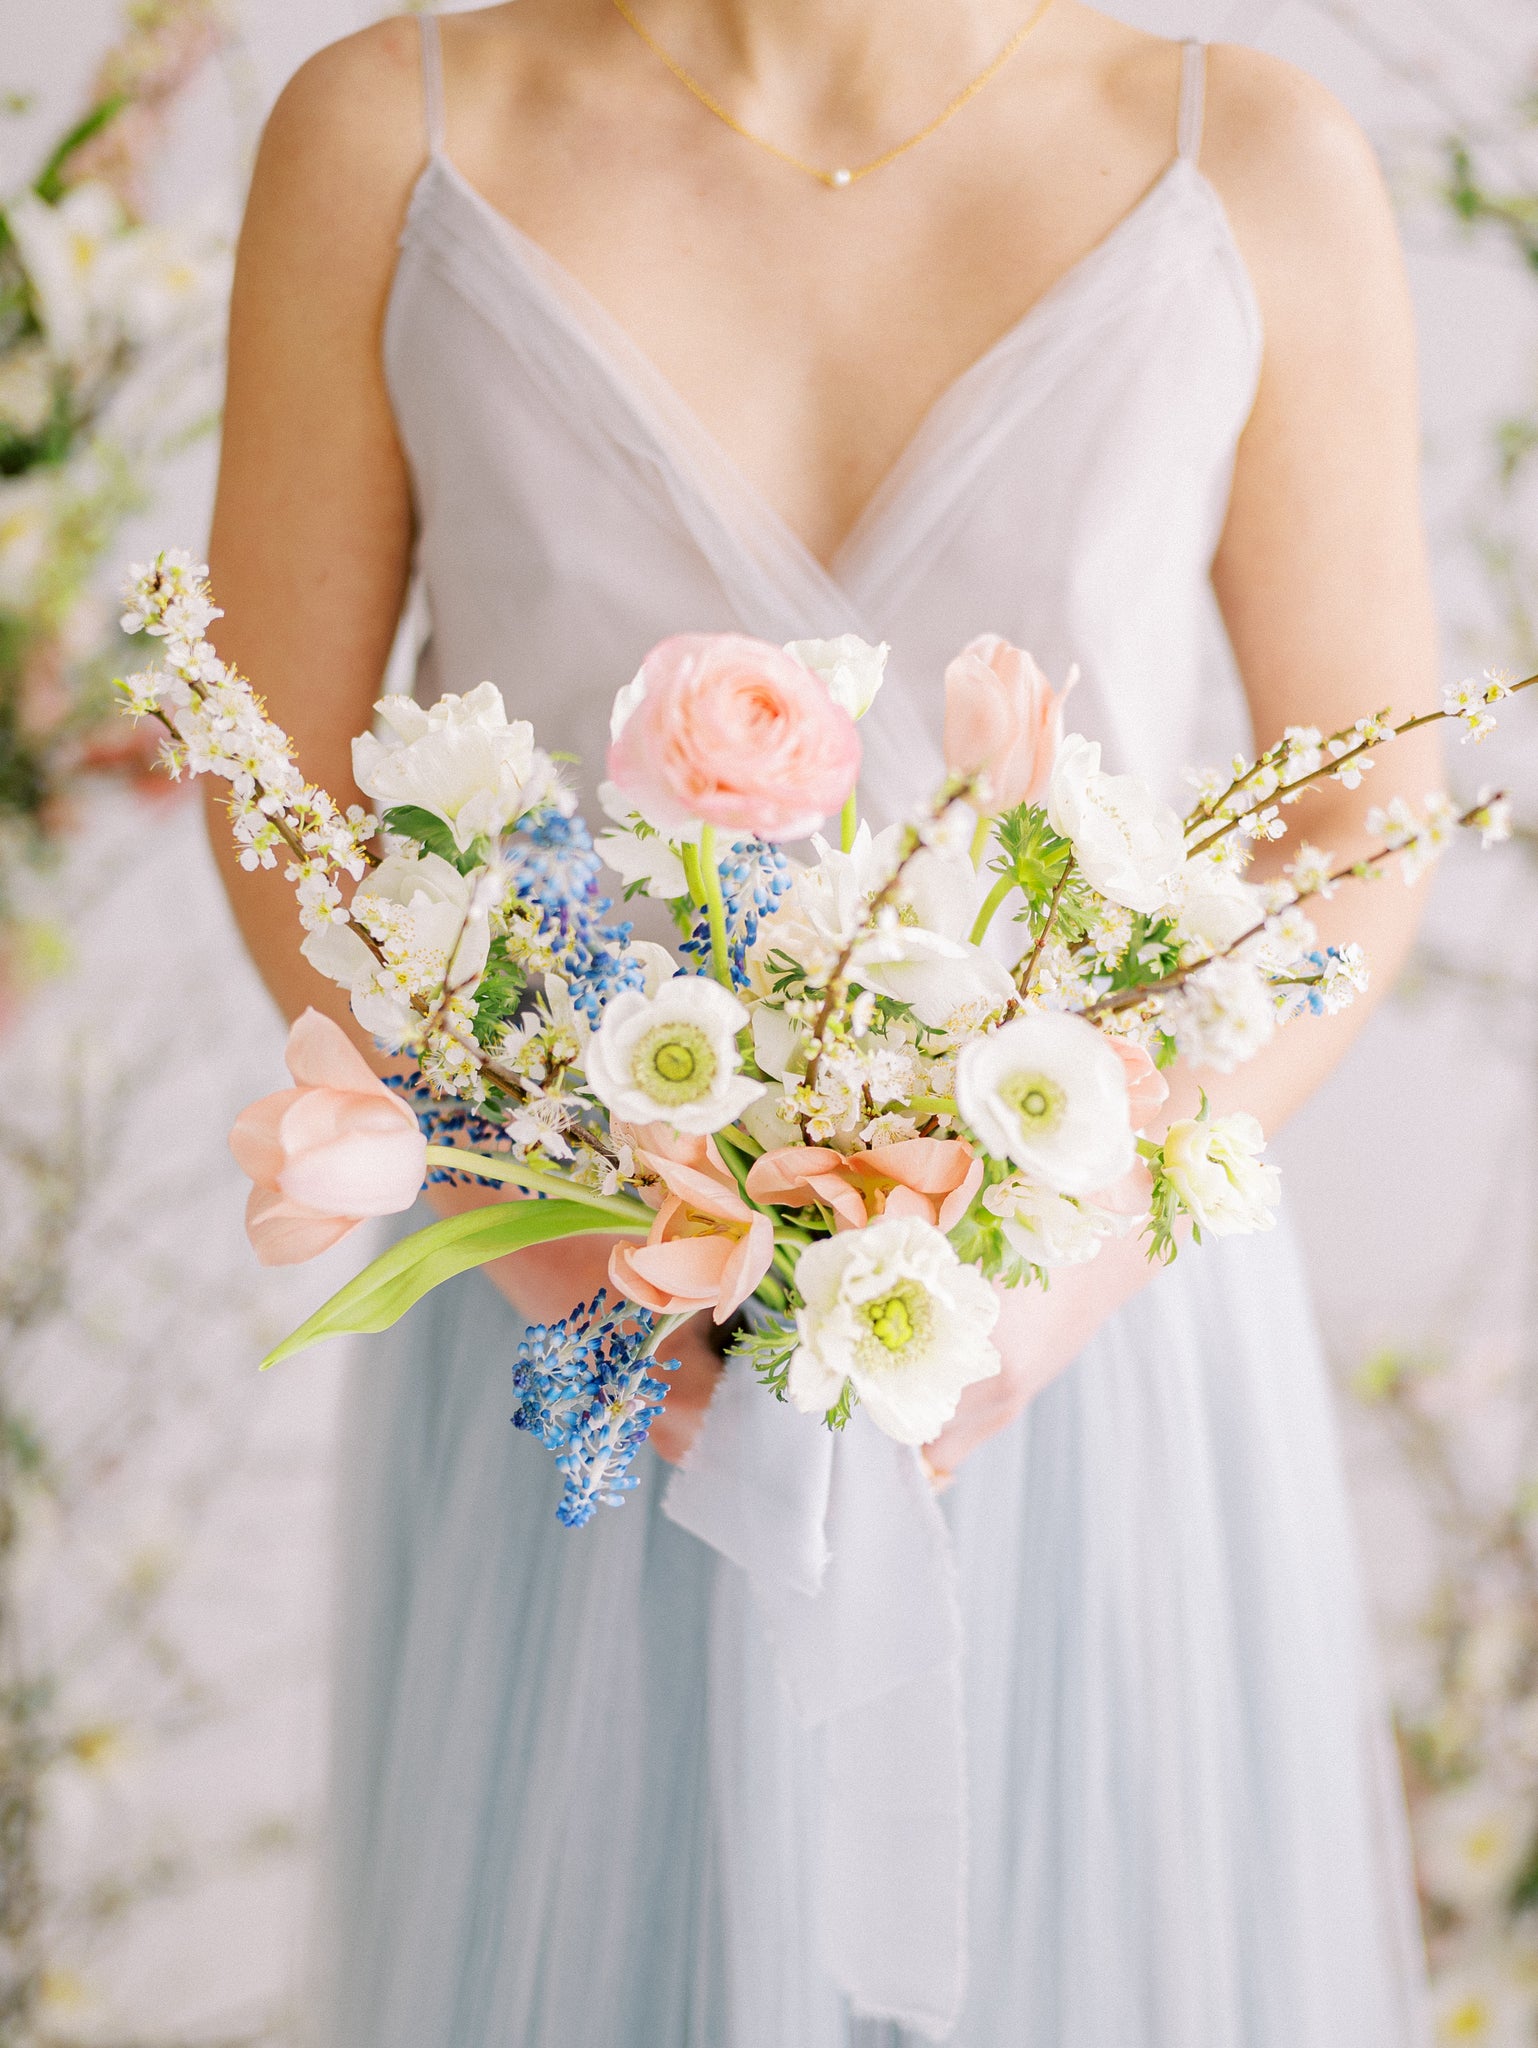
850	1565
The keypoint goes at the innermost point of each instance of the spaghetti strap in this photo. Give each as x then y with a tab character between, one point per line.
432	83
1193	99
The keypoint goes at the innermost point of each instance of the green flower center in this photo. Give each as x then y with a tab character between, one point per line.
896	1322
674	1063
1036	1100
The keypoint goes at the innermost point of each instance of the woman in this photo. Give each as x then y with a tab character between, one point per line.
579	315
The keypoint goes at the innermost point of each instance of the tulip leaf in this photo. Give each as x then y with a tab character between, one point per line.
382	1292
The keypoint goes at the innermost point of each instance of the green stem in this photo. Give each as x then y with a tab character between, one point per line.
995	897
663	1331
849	820
933	1105
488	1166
715	908
692	875
980	840
770	1290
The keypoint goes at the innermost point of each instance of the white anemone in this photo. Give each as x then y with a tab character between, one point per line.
852	669
1129	845
1048	1092
460	759
423	913
894	1310
672	1057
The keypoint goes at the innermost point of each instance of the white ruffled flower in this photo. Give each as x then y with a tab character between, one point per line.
459	759
1215	906
647	857
1216	1169
423	914
1129	845
892	1309
1224	1015
852	669
672	1057
1048	1092
920	954
1047	1229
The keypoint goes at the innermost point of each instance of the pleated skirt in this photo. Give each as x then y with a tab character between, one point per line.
570	1808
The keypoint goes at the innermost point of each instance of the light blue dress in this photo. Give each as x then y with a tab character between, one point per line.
571	1805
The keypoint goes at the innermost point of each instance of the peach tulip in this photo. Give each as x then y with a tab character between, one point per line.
707	1248
334	1149
1003	721
932	1178
1147	1089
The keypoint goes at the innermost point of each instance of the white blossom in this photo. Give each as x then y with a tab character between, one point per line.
1471	699
418	909
892	1309
1223	1015
1345	977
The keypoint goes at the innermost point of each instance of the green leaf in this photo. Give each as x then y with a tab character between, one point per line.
384	1291
429	831
50	182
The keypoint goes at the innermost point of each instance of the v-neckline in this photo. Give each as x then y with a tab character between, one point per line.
681	435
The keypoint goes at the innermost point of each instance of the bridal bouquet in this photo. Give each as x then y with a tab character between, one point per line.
861	1091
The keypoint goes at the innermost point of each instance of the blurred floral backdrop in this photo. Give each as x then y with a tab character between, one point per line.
164	1515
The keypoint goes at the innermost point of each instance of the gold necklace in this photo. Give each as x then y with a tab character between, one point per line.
844	175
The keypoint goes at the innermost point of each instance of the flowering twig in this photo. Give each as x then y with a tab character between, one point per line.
1478	815
1462	701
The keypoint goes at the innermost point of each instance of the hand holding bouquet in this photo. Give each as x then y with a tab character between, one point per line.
861	1093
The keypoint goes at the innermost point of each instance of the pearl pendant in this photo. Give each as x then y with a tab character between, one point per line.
840	178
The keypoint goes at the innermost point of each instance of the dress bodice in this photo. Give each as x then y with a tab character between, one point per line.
1067	491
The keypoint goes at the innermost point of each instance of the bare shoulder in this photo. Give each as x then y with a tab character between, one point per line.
342	148
1299	179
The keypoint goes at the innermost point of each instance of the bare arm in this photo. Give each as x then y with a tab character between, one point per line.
312	525
1324	586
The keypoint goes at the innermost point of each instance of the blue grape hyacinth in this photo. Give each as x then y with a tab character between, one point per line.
587	1391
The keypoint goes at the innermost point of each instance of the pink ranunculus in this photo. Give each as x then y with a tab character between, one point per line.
1147	1089
1003	721
933	1178
707	1248
732	732
326	1153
